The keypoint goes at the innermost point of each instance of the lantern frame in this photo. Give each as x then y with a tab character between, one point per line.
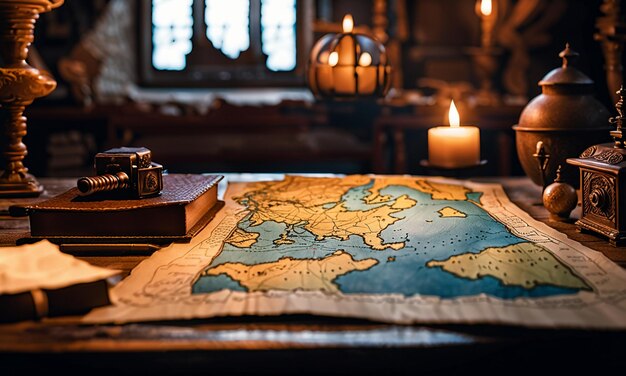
320	69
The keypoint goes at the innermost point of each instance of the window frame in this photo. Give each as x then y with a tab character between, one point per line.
225	76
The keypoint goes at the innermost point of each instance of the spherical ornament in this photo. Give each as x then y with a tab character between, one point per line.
559	198
348	65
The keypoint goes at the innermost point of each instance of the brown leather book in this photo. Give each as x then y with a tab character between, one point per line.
186	204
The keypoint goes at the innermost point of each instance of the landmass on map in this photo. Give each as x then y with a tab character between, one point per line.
284	239
242	239
316	205
524	264
290	274
449	212
438	191
305	202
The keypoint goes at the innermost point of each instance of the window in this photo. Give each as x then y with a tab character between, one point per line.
172	29
224	42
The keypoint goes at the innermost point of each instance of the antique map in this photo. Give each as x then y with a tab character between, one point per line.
401	249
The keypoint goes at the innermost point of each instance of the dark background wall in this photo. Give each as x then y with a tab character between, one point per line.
435	28
435	39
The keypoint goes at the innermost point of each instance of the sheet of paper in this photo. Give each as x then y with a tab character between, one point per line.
395	249
43	266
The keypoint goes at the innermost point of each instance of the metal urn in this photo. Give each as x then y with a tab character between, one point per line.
563	120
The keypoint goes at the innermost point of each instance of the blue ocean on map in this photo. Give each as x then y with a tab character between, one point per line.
427	236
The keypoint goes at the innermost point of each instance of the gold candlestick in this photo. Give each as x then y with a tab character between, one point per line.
486	10
20	84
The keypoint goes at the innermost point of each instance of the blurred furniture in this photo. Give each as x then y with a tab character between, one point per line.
611	34
65	138
300	343
241	138
289	136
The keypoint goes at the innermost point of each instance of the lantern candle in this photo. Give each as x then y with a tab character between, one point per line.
346	45
454	146
343	60
348	65
325	71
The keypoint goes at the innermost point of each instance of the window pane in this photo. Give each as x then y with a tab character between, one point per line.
228	25
278	33
172	30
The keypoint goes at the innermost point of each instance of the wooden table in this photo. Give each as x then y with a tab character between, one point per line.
304	344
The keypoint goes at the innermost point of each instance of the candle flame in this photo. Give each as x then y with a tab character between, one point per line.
453	116
348	23
333	59
485	7
365	60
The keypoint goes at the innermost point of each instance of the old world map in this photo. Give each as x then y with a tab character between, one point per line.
389	248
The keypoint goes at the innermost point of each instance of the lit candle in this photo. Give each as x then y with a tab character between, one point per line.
343	60
366	73
485	8
324	72
454	146
346	45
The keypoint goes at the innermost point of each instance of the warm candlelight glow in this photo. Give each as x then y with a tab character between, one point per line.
365	60
453	116
324	57
333	59
348	23
485	7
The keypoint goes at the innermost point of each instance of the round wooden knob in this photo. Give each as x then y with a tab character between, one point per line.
599	198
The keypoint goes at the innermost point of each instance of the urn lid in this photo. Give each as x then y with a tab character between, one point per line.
566	102
566	74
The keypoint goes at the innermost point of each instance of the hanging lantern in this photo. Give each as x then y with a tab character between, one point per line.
348	65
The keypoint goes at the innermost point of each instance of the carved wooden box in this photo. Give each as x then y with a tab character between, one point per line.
603	191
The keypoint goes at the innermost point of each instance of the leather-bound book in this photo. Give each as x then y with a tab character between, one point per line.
72	300
186	204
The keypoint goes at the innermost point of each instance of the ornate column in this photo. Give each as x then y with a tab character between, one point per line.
20	84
